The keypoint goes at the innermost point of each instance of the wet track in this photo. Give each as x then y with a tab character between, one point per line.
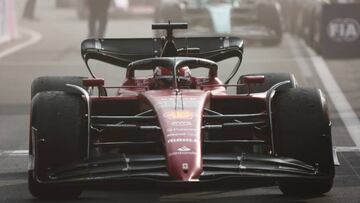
58	54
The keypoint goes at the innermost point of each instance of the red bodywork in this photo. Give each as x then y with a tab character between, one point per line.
180	116
173	128
182	143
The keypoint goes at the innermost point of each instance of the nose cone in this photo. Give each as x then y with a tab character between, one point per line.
180	118
182	137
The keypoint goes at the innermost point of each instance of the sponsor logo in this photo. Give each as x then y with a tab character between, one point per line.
185	166
180	130
181	123
172	104
343	30
178	115
181	153
176	134
183	149
172	98
176	140
166	104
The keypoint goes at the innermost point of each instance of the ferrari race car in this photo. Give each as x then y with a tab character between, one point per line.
252	20
175	128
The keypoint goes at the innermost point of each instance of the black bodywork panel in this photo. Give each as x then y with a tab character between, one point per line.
121	52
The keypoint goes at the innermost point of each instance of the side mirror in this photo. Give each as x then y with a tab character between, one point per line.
253	79
90	82
95	82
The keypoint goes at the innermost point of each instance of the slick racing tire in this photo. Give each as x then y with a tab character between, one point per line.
58	138
55	83
302	131
269	16
271	79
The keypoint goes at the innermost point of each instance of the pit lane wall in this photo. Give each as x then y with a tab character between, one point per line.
332	28
340	31
8	25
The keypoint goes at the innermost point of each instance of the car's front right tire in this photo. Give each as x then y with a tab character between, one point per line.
55	83
57	139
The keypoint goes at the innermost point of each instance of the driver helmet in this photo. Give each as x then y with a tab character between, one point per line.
163	76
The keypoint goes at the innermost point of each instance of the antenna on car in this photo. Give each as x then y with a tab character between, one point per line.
169	27
169	48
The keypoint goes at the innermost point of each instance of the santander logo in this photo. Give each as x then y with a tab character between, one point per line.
179	115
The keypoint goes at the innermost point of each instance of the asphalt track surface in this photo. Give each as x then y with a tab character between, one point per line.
55	51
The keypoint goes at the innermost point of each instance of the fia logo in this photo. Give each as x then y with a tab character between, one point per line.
343	30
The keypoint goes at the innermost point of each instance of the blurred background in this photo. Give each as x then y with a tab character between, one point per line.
317	40
57	27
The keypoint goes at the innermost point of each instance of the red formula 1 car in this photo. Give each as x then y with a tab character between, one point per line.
176	128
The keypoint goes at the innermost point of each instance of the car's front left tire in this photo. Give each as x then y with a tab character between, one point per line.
302	131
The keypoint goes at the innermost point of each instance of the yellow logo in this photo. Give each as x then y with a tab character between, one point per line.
178	115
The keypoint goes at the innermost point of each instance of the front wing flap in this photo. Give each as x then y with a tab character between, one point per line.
216	167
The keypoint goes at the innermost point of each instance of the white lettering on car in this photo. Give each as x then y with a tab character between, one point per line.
181	123
176	140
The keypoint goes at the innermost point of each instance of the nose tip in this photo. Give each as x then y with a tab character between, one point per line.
186	172
188	177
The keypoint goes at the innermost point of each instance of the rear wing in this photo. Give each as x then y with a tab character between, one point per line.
125	51
122	52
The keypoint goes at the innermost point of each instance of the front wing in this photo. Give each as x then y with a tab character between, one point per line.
219	167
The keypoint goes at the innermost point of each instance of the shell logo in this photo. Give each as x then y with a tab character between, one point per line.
178	115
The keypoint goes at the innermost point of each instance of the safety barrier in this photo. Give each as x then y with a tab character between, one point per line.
340	31
331	28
